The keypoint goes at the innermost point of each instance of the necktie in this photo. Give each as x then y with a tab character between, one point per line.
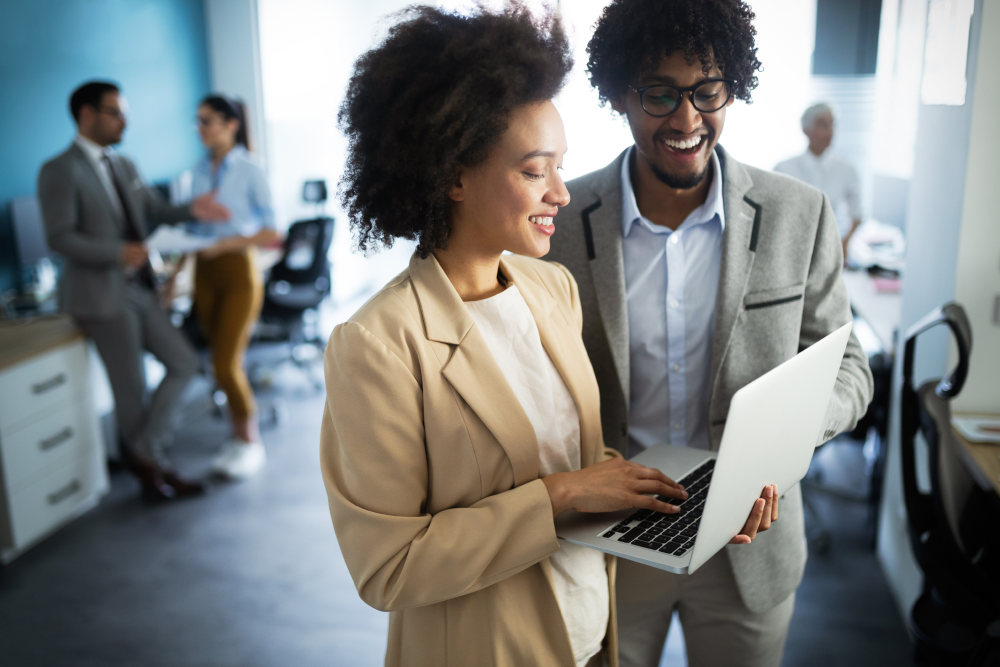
131	228
145	273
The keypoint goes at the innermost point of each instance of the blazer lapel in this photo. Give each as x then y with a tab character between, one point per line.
471	368
97	185
558	337
739	246
602	225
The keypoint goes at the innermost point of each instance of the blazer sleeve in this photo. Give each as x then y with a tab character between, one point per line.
157	209
61	217
376	474
827	307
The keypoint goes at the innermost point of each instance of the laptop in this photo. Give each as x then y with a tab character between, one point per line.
773	426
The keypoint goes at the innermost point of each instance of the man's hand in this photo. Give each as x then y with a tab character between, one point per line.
615	484
134	254
207	209
764	512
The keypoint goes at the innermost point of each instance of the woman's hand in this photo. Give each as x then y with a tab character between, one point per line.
764	512
267	238
612	485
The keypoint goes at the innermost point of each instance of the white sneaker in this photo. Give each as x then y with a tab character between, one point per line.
226	453
240	460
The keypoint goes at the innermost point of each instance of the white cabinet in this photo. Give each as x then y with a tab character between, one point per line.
52	463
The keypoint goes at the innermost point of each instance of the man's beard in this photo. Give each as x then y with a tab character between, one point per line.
685	182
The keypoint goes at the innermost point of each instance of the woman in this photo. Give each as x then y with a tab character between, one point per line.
228	287
462	413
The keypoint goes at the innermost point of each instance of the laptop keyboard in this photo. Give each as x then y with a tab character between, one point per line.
668	533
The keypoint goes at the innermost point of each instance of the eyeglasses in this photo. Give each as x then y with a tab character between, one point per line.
113	112
200	121
661	100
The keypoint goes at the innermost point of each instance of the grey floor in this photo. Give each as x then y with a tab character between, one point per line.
252	574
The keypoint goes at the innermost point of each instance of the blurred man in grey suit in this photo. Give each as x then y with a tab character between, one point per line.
95	207
697	275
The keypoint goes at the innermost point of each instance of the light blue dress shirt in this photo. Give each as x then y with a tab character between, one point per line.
671	284
241	186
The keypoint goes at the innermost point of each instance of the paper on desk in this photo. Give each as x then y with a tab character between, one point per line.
167	238
977	429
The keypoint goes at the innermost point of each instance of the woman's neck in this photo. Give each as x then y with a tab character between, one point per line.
473	271
219	154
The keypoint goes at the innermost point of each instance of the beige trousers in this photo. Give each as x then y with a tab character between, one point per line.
718	629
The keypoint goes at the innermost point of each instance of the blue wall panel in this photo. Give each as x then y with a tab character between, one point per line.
155	49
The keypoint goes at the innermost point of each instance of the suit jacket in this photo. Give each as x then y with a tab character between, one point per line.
83	225
431	469
780	291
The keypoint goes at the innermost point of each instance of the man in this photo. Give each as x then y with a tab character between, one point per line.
697	274
95	208
823	170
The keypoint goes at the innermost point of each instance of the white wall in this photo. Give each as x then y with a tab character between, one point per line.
234	59
977	282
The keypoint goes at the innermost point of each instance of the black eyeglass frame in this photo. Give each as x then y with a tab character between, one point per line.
680	95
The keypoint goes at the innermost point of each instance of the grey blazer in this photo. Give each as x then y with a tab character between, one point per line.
83	226
780	291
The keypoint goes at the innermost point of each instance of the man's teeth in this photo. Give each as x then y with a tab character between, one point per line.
684	144
543	220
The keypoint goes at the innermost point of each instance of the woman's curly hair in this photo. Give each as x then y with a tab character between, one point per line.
633	35
433	98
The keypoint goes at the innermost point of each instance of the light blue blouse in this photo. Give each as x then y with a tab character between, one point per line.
241	186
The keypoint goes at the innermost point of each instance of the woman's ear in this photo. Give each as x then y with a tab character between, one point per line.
457	192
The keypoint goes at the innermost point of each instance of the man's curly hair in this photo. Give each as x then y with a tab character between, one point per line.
433	98
632	36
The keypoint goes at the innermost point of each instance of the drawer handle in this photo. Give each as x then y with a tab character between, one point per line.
56	440
49	384
62	494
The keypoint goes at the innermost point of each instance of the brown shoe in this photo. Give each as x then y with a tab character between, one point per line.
154	486
183	487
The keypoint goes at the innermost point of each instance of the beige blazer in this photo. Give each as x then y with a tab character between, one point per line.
431	468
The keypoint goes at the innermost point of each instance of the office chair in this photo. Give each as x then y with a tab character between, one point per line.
294	290
953	527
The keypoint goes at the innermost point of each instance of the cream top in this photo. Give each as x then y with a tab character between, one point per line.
580	574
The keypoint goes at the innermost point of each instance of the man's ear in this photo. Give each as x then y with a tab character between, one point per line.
457	192
618	104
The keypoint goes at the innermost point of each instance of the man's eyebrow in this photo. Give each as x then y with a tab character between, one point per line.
534	154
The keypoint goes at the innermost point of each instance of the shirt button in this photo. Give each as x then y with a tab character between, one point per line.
674	238
674	303
676	368
677	425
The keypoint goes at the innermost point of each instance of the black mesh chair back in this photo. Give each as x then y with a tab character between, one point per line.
301	280
950	526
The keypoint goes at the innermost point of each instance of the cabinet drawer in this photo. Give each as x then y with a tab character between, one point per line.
57	437
48	501
42	382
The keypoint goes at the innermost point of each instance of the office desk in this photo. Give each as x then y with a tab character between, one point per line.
981	458
880	309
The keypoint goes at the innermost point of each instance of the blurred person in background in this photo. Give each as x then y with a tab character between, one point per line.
823	170
97	213
228	284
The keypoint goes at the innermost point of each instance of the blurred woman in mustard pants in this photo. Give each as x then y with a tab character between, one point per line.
229	286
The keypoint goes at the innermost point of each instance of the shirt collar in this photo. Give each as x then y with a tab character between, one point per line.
712	207
93	150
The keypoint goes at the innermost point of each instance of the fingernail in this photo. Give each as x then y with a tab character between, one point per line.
685	494
676	508
770	491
